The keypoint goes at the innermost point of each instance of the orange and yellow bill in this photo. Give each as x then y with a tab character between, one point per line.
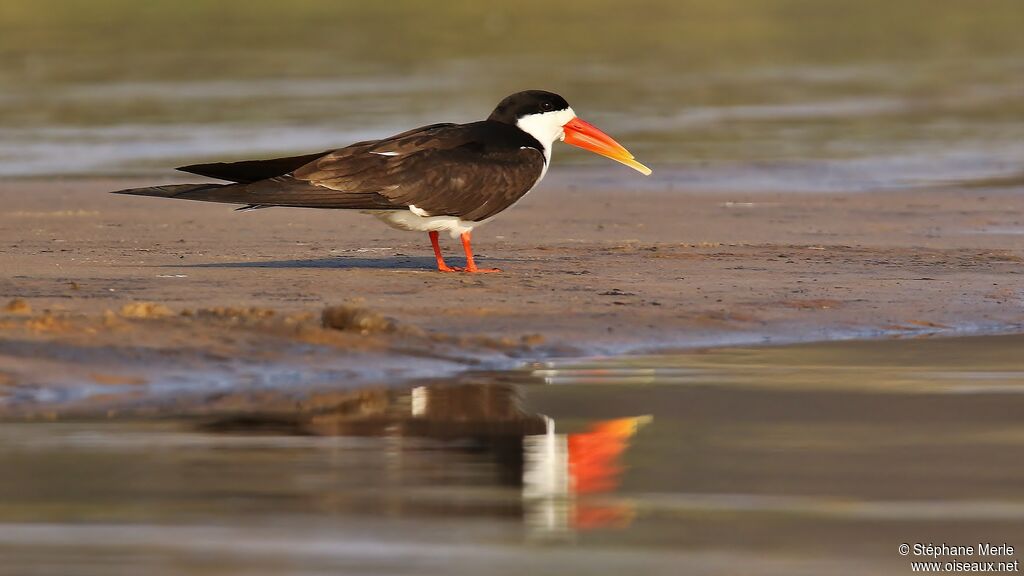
585	135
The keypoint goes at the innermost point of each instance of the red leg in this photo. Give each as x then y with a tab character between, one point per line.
441	266
470	264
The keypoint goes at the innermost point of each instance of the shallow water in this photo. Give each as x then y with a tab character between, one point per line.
733	94
806	459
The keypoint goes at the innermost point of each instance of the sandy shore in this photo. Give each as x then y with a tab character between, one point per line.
237	297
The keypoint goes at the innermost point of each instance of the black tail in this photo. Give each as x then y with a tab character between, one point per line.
188	191
278	191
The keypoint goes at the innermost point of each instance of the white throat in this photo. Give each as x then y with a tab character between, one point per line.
546	127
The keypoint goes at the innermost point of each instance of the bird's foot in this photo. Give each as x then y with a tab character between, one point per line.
447	268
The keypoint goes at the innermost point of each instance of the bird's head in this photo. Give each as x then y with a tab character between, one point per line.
548	117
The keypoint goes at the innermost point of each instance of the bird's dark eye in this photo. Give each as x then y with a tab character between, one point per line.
546	106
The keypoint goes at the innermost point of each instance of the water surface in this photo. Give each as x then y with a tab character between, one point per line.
806	459
734	94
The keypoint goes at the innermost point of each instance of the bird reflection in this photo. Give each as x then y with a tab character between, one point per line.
561	475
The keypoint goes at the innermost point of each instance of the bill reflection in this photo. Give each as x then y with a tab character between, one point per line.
565	472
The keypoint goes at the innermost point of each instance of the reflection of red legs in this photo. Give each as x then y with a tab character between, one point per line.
470	264
441	266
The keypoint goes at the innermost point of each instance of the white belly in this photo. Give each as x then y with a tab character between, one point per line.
405	219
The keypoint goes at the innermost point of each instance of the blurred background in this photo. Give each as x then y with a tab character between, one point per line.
739	94
811	460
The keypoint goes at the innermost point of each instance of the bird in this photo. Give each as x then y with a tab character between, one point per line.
437	178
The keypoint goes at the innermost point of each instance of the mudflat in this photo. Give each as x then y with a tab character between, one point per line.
145	294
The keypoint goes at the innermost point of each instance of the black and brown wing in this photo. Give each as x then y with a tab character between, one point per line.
472	171
254	170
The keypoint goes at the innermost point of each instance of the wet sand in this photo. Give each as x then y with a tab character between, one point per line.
298	392
157	295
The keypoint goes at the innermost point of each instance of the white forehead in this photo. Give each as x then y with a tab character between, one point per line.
546	127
